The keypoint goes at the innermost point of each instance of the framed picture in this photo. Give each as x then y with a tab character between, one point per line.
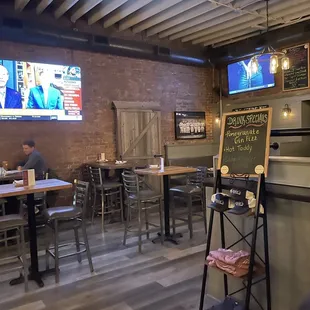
190	125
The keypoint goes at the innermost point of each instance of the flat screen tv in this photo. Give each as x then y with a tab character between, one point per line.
239	79
39	91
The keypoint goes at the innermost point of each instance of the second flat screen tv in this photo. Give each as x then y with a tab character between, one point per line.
39	91
239	79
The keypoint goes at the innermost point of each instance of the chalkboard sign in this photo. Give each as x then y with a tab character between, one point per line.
297	77
244	146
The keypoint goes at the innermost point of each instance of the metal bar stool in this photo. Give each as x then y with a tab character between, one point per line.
111	195
17	223
140	198
69	217
191	193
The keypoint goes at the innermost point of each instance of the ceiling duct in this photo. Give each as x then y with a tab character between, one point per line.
31	33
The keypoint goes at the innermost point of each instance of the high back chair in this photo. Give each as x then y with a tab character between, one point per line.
191	192
141	198
69	217
110	194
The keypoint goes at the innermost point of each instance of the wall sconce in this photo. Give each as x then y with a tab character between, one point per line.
286	111
217	118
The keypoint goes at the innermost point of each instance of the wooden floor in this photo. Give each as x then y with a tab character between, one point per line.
162	278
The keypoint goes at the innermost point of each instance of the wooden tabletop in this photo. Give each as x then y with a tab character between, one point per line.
9	190
169	170
111	165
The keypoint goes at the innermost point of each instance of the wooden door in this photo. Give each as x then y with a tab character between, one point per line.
139	133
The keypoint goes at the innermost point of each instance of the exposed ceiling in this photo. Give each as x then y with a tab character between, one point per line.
199	22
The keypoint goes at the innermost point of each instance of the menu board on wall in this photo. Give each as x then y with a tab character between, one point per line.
297	77
245	142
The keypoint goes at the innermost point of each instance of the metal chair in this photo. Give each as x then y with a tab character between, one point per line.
15	222
141	198
70	217
191	192
111	195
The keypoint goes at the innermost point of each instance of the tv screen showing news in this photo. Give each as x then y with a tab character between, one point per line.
241	80
39	91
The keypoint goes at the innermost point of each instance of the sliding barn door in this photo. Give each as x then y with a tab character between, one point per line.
139	133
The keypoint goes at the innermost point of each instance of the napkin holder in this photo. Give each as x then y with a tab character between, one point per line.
29	178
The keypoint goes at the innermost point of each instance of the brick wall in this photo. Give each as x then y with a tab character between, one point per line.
104	78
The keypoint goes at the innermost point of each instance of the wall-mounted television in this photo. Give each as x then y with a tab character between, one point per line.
240	80
39	91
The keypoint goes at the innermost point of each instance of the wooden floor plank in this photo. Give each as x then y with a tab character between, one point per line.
38	305
163	277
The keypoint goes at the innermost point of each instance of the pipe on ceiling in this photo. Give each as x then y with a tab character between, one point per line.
23	32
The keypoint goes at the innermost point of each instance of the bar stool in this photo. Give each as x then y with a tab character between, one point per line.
17	223
111	195
70	217
191	192
139	199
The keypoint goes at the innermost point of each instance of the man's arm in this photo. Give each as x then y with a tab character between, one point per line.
32	160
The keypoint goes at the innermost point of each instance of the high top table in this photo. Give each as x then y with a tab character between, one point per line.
168	171
9	190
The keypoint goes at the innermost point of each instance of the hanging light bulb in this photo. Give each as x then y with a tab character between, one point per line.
274	60
254	65
217	119
273	65
285	62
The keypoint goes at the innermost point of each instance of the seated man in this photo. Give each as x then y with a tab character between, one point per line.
34	161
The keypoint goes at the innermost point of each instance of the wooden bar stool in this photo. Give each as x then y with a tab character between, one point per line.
190	193
69	217
140	198
111	195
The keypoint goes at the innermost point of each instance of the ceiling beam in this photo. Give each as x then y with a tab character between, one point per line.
181	21
289	19
43	5
20	4
127	9
233	31
86	7
147	12
213	12
277	11
64	7
228	36
171	12
206	22
104	9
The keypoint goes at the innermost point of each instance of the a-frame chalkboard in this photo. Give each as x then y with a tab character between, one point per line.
245	142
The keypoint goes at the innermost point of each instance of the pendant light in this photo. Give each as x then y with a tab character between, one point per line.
269	50
254	65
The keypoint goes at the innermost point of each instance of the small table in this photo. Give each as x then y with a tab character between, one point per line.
168	171
10	190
